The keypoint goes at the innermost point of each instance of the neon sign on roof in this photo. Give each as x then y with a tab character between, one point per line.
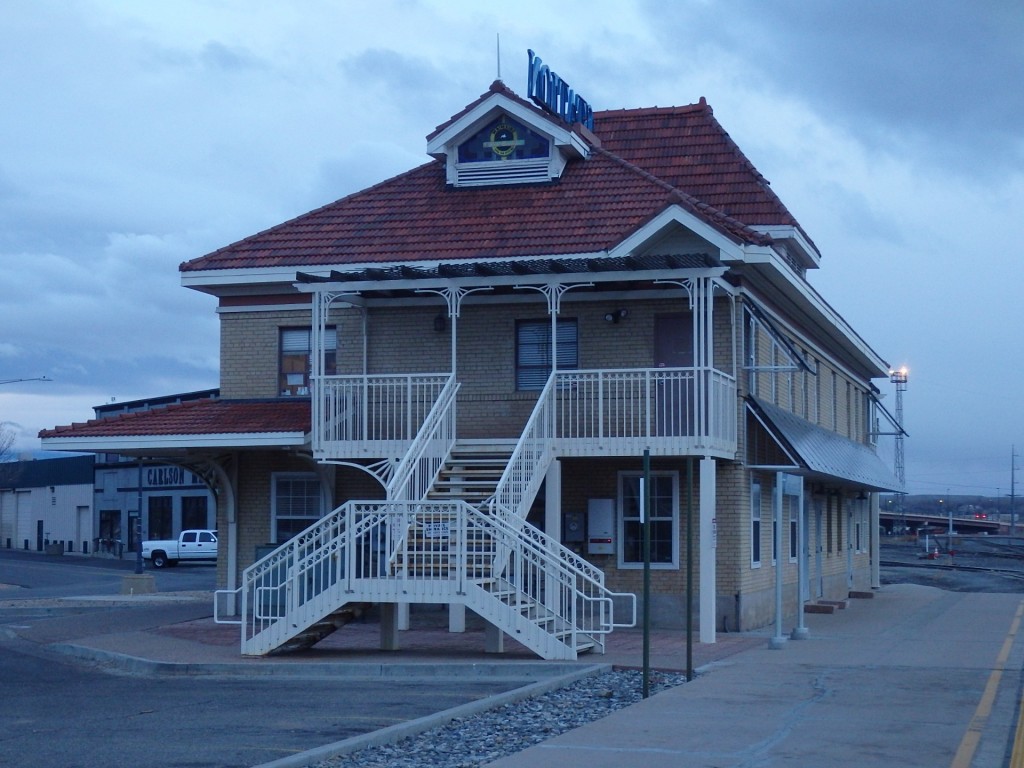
554	94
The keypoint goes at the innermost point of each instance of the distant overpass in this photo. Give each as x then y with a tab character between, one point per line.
940	523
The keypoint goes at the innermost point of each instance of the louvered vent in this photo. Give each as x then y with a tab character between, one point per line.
514	172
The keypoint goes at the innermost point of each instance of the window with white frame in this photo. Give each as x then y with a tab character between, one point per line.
793	507
533	351
296	503
664	511
296	359
755	524
775	530
860	527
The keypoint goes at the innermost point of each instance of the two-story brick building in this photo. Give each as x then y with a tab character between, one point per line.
453	377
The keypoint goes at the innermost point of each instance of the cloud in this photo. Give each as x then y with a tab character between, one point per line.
931	78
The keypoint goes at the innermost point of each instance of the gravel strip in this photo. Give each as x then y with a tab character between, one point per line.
481	739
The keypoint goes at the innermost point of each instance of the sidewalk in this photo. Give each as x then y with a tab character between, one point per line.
198	642
914	677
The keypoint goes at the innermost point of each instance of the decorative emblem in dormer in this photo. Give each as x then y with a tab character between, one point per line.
504	139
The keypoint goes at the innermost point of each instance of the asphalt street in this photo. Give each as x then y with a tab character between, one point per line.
58	712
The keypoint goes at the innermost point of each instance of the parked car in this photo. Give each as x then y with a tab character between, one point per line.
191	545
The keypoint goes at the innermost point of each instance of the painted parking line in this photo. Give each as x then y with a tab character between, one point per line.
969	743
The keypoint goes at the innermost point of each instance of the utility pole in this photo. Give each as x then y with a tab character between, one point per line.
1013	481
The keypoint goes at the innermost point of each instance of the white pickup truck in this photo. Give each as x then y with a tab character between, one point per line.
195	545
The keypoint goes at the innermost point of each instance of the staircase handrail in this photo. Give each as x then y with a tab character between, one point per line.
268	596
562	552
510	496
566	563
439	425
523	472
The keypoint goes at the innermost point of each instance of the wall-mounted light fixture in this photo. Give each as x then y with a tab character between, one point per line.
615	315
439	324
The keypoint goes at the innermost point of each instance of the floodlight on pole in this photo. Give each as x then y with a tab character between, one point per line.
899	379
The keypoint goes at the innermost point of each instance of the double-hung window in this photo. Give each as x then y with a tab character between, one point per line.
296	503
533	351
755	525
664	513
296	359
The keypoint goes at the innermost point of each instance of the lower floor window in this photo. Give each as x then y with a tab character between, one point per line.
296	503
664	512
160	524
193	512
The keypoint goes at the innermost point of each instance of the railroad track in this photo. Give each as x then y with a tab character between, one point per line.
933	565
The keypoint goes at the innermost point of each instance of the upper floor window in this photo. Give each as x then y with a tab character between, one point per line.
533	351
297	358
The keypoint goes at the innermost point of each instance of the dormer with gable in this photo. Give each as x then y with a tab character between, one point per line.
503	139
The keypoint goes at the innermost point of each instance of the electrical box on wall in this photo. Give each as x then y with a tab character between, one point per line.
573	531
601	527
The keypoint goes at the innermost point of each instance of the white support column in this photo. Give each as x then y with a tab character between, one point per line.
227	479
873	523
553	500
553	528
778	640
800	631
456	617
708	522
402	621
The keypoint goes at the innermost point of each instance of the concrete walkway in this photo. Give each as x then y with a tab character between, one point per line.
916	676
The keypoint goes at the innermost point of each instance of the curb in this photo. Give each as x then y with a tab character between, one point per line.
524	671
400	731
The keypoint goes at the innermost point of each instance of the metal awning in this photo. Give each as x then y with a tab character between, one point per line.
820	452
507	273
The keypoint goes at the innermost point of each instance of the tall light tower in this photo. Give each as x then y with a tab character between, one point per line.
899	379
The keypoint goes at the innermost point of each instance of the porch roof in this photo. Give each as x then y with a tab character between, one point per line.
278	422
601	268
821	452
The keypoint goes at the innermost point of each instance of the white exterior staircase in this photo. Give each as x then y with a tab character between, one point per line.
471	472
464	540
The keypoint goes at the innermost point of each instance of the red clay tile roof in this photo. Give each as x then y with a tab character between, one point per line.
687	148
649	159
198	417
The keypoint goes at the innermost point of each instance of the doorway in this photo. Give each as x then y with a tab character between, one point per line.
817	577
673	391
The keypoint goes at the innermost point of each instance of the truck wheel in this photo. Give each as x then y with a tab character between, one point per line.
159	560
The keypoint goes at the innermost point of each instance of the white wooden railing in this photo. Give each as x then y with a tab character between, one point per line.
525	470
669	410
371	415
602	412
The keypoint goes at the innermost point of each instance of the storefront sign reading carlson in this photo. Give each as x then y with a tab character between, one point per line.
554	94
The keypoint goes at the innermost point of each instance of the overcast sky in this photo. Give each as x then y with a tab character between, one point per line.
135	135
